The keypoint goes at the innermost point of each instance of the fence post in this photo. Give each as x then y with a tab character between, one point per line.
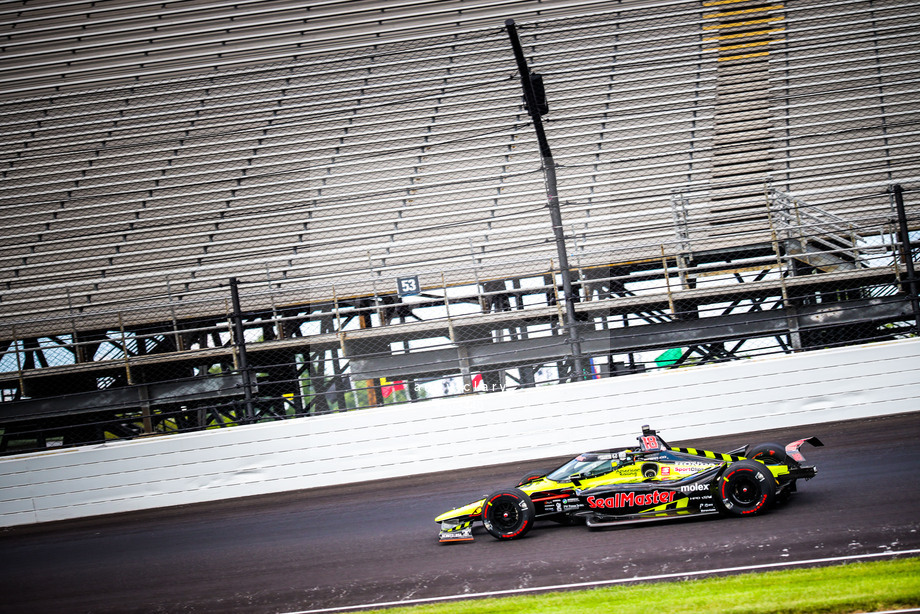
240	341
907	255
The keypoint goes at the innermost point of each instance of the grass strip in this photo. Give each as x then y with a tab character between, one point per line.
837	589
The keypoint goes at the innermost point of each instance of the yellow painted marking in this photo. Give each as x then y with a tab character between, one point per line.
743	12
743	23
721	2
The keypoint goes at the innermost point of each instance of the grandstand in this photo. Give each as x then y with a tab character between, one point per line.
729	176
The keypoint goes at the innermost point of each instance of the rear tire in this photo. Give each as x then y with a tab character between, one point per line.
508	514
768	453
530	476
745	489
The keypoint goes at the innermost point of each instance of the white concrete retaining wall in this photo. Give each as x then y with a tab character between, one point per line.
475	430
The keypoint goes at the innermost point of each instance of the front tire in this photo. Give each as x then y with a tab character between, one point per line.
746	488
508	514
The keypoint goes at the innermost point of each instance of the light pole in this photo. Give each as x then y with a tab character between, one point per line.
536	108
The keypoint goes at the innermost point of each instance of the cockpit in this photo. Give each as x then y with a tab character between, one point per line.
590	465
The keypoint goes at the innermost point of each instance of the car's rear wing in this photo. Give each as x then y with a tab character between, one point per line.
793	452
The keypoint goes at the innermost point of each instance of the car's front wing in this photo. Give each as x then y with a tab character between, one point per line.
456	531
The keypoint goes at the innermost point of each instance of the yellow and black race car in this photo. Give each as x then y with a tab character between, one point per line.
653	481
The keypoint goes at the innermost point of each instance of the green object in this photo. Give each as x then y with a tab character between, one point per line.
838	589
670	357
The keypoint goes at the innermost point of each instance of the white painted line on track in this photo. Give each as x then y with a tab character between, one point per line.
598	583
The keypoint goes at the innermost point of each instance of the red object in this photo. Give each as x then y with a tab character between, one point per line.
391	388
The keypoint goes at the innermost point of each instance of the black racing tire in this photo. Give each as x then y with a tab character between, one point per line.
768	453
746	488
530	476
508	514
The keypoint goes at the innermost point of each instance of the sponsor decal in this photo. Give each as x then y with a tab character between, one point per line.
630	499
564	506
694	487
691	466
665	471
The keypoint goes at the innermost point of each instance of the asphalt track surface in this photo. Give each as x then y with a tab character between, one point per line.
377	542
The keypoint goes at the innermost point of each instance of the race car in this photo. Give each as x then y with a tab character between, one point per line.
649	482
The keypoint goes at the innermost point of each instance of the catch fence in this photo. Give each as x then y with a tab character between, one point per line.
369	226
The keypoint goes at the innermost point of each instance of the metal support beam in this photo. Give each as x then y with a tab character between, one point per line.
125	399
677	333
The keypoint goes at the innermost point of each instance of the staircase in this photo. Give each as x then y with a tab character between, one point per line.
817	238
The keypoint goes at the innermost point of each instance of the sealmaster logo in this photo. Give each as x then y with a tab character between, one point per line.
630	499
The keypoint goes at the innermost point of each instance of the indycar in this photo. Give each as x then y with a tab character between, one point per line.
649	482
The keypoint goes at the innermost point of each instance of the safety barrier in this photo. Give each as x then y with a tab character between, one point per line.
460	432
